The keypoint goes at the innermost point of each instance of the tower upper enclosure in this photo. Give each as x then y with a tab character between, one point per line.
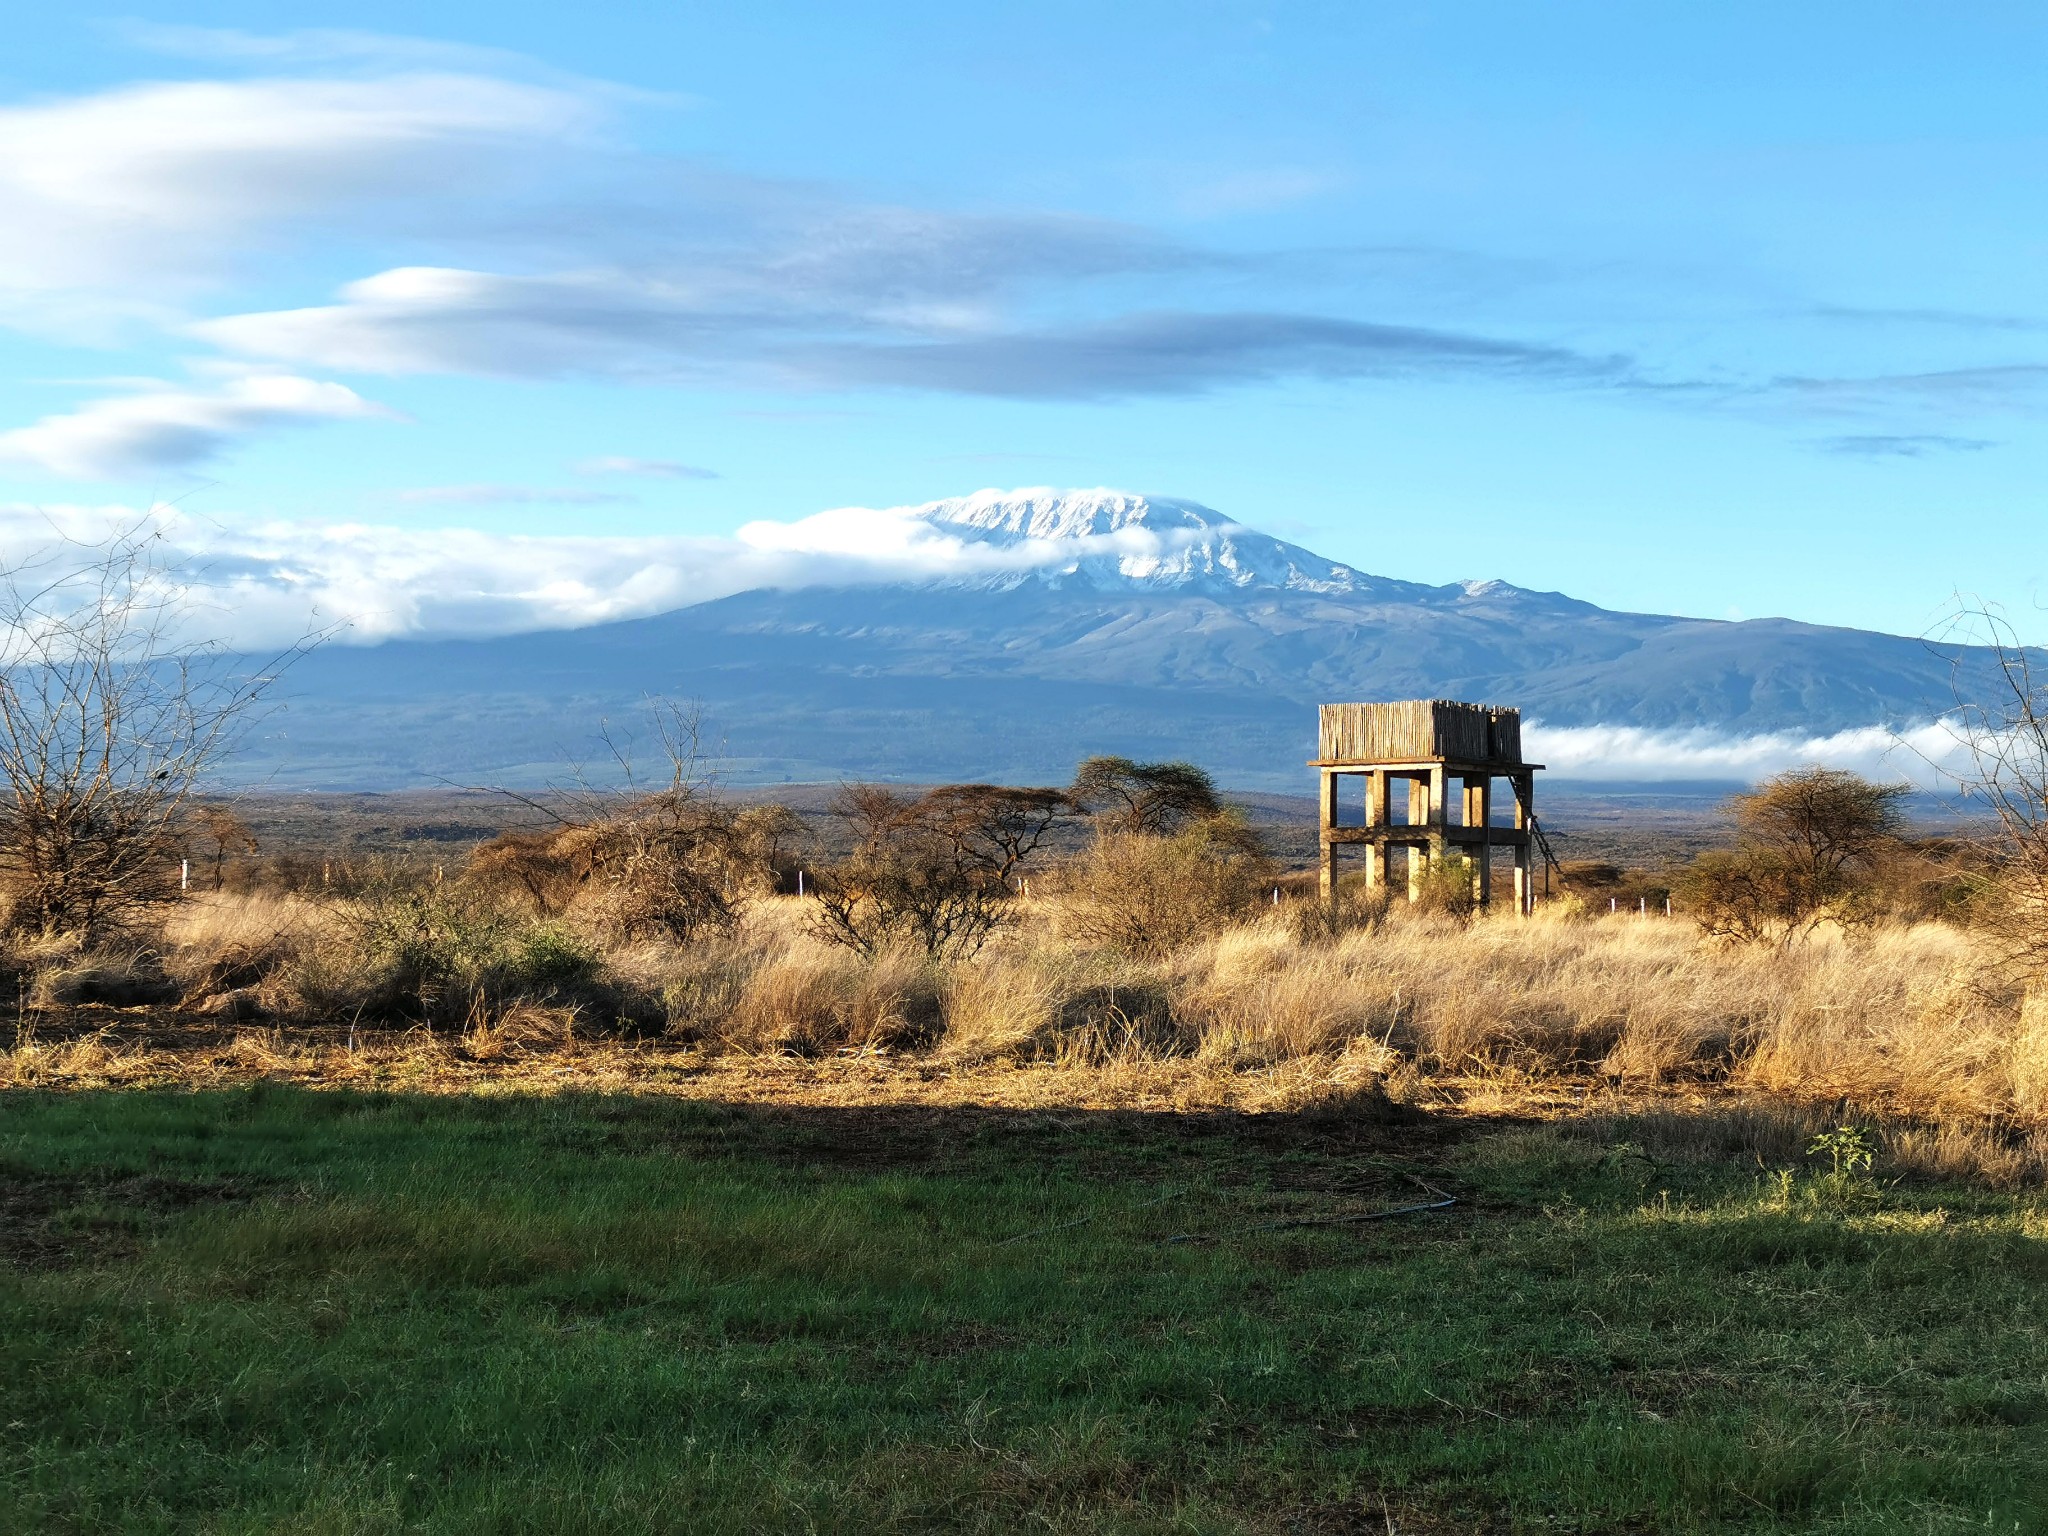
1420	731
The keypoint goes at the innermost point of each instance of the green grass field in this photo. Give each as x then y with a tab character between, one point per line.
272	1310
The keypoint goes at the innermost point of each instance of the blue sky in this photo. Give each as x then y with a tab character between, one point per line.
1729	310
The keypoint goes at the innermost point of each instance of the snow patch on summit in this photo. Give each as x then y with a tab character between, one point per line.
1115	540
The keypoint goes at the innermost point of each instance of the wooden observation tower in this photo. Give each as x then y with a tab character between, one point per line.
1425	744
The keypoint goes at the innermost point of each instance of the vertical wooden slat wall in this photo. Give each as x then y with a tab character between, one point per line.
1414	730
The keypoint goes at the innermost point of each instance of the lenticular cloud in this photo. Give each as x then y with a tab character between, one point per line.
168	429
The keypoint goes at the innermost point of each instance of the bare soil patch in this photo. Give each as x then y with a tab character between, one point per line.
58	1220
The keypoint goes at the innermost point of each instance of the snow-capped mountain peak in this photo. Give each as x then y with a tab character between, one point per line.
1107	539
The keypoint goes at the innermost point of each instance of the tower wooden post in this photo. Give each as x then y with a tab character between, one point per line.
1478	812
1376	816
1328	878
1524	786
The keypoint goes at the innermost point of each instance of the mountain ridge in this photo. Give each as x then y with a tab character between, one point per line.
1108	622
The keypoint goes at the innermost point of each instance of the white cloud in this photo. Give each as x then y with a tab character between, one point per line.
260	583
660	469
146	190
165	429
1929	756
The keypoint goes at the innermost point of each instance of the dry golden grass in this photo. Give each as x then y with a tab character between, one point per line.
1915	1029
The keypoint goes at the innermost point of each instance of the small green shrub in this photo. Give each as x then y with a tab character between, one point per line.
429	945
1846	1147
548	959
1445	886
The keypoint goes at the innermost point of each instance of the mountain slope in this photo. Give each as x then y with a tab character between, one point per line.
1105	623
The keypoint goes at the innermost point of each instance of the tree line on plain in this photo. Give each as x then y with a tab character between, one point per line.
111	718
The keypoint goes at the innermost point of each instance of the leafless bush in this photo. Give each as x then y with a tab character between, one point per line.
2006	739
668	860
109	716
539	868
932	870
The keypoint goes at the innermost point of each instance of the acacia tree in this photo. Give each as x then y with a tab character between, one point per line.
1155	799
1807	841
1824	823
109	715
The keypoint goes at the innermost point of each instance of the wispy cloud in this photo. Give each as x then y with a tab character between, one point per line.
504	223
1186	353
507	495
2003	386
1910	445
441	320
659	469
1955	319
170	429
593	259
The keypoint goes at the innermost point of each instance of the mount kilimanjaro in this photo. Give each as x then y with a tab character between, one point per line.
1060	624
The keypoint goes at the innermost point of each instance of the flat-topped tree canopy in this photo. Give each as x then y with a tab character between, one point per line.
1420	731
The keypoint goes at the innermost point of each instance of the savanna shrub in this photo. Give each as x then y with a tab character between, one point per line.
674	865
428	943
1148	894
1445	886
550	959
933	871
